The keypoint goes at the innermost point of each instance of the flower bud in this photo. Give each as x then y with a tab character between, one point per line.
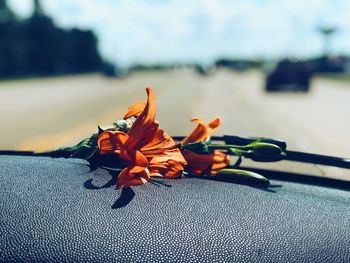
244	177
262	148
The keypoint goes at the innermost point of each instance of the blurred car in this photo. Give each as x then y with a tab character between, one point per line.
205	70
289	75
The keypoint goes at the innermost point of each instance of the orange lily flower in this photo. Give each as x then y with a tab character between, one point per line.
135	110
204	163
202	131
147	149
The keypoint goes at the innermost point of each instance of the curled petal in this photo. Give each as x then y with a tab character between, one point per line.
143	124
202	131
112	142
121	139
138	162
107	143
135	110
206	163
127	179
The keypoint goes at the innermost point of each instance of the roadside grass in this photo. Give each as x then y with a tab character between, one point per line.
344	77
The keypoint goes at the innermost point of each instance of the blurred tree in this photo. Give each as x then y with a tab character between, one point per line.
36	46
7	36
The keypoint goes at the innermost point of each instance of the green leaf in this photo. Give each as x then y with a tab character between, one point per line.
82	150
122	125
100	130
244	177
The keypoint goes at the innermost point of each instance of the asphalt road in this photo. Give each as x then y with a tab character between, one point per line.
43	114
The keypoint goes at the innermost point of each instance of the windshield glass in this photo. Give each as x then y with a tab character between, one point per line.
276	69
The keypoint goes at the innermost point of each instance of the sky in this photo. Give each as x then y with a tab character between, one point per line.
161	31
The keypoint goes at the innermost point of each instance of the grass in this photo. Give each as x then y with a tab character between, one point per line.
345	77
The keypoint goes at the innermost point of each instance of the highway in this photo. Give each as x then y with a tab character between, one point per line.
43	114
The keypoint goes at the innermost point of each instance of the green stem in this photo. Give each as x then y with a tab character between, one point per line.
228	146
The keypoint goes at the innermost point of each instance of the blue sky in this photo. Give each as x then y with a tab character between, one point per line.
152	31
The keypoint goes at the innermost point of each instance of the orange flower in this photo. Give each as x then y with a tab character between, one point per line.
202	131
204	163
147	149
135	110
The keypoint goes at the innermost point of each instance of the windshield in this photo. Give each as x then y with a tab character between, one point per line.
276	69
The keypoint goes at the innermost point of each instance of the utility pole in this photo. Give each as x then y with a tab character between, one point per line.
327	33
38	10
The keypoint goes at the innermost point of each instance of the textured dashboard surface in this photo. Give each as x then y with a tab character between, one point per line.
58	210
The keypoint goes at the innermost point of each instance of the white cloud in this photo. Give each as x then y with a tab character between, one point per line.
22	7
175	30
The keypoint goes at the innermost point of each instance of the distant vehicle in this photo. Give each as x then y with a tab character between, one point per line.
205	70
289	76
238	65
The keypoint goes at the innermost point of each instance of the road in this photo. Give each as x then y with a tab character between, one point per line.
43	114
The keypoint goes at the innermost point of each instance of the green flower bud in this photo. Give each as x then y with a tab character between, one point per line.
262	148
244	177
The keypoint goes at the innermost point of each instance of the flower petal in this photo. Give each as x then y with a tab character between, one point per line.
206	163
174	154
127	179
135	110
112	142
167	169
143	123
159	142
107	143
138	162
202	131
